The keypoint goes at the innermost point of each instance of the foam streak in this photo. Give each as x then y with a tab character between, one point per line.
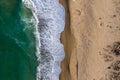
50	17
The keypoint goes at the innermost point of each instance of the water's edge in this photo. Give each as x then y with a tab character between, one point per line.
50	20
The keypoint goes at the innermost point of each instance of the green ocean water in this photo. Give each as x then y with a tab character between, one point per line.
17	42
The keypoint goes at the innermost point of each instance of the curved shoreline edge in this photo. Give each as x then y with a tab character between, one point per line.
48	27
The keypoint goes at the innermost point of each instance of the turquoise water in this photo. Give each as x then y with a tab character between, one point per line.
17	42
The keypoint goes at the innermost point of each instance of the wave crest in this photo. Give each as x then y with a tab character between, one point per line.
50	20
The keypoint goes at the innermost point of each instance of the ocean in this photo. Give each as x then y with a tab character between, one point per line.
30	47
18	60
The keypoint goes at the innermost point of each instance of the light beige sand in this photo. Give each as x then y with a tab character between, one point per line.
91	39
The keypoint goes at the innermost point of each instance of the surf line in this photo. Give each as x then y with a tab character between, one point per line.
50	16
29	4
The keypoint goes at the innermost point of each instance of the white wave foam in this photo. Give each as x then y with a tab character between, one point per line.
50	20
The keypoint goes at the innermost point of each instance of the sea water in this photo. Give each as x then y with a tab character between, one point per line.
51	17
17	42
30	47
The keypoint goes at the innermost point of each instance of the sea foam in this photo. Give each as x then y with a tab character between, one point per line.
50	20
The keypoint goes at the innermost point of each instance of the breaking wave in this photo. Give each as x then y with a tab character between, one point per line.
50	20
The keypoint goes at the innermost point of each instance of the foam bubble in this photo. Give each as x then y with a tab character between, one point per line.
50	20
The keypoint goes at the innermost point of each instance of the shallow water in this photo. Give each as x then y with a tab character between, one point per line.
17	42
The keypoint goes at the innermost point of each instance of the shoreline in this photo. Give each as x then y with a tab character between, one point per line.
51	25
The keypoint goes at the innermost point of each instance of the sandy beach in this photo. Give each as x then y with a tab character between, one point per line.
91	40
